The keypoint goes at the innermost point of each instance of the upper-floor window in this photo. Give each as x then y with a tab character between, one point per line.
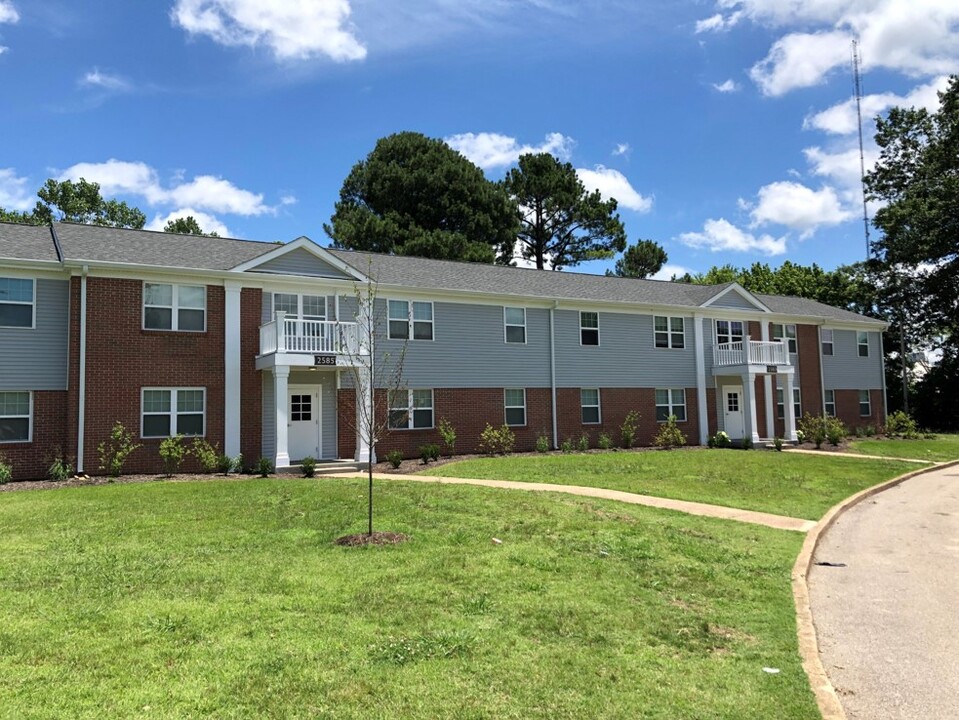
589	328
411	409
728	331
589	405
410	319
862	340
165	412
827	341
16	302
829	404
785	332
174	307
15	416
514	402
670	402
669	332
308	307
514	319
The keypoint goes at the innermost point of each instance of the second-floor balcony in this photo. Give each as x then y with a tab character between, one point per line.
311	337
751	352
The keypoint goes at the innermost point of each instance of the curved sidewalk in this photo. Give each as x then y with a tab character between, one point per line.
779	522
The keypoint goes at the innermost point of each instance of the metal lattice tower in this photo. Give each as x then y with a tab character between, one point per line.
857	78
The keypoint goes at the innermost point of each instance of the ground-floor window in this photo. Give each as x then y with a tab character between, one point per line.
411	410
589	405
514	401
15	416
670	401
830	403
172	411
865	404
781	406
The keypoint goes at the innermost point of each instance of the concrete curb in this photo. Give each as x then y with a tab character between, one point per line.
826	697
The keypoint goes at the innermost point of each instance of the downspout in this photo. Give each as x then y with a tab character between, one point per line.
552	372
822	374
882	361
82	383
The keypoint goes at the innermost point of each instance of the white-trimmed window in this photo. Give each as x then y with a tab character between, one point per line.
174	307
411	409
827	341
589	405
670	401
729	331
514	321
785	332
308	307
514	402
16	416
865	403
781	406
410	319
862	341
165	412
17	301
829	402
589	328
669	332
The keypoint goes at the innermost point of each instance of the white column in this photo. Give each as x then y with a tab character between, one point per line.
231	363
768	389
281	396
364	414
702	405
749	400
790	409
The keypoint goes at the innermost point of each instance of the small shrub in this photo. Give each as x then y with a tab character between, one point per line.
172	451
583	442
778	443
114	451
747	443
567	446
800	436
207	455
237	466
394	458
224	463
6	471
628	429
60	468
542	443
495	441
813	427
860	432
308	465
605	442
870	430
670	435
448	433
835	431
929	436
901	424
720	440
429	452
264	467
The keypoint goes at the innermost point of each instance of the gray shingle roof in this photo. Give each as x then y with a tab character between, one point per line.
27	242
158	249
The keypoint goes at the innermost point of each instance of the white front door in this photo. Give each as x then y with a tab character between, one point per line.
732	411
305	430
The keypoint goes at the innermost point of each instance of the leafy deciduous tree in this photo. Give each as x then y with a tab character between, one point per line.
186	226
79	202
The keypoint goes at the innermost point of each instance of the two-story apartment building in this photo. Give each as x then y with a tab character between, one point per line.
253	346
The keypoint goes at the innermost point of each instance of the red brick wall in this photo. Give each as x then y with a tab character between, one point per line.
251	389
31	460
810	376
847	409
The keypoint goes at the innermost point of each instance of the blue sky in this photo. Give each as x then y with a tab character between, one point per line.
725	129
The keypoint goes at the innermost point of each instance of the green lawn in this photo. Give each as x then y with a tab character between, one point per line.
802	486
228	600
942	449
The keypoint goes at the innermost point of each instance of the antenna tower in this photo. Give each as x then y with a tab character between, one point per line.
862	159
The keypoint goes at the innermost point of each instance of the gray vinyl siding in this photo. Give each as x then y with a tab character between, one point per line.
709	340
36	359
845	370
302	262
327	380
734	300
625	356
469	350
269	415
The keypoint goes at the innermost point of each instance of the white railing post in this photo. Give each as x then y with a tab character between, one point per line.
784	351
280	317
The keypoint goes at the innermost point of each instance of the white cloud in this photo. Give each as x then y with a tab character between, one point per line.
798	207
3	49
841	166
730	86
492	150
721	235
104	81
13	191
666	272
841	119
800	60
8	13
622	149
288	200
208	223
136	178
718	22
613	184
291	30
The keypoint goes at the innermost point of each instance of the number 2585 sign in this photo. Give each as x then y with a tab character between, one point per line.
324	360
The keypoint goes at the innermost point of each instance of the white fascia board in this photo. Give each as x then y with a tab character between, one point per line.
305	243
33	269
739	290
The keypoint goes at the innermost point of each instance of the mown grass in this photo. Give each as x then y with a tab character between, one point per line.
802	486
229	600
942	449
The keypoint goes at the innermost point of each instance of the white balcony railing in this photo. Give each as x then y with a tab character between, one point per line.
290	334
751	352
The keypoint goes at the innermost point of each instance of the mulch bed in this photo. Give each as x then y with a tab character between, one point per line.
377	538
104	480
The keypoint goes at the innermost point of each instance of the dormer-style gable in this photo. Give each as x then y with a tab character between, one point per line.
736	296
302	257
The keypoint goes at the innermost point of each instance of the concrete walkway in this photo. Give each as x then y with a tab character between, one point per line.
886	619
778	522
829	453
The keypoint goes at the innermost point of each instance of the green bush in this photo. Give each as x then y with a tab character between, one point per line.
394	458
747	443
207	455
224	463
778	442
172	451
495	441
567	446
448	433
429	452
60	468
719	440
264	467
901	424
237	465
670	435
813	428
6	471
542	444
870	430
308	465
583	442
605	442
835	431
114	451
627	430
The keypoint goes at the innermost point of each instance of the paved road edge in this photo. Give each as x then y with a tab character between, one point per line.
826	698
